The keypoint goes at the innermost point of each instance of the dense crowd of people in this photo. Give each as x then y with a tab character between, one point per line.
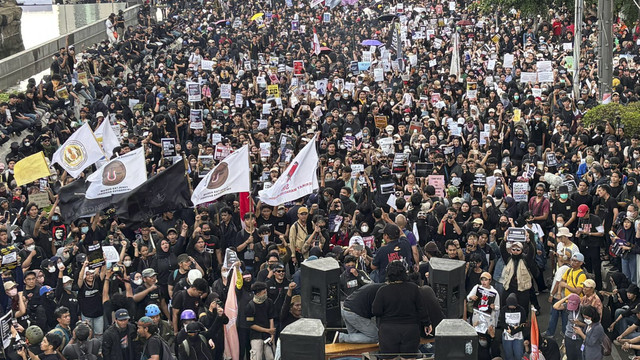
442	133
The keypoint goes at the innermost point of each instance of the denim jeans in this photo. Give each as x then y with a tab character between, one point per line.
513	349
629	268
360	330
97	324
573	348
553	321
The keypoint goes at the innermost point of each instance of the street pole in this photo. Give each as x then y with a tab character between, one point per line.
605	48
577	43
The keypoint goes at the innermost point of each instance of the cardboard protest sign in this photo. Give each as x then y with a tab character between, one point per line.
95	256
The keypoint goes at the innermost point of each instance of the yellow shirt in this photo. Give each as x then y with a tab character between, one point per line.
574	278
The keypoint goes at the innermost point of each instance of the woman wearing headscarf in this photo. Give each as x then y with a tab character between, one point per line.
512	320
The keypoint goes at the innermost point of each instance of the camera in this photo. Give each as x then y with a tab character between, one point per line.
19	345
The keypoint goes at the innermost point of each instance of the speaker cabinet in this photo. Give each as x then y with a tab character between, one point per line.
320	291
456	339
446	277
303	340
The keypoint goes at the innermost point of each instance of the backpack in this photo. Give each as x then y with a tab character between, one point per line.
165	353
82	355
187	348
606	346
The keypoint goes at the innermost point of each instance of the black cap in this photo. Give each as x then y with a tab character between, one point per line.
633	289
392	231
563	189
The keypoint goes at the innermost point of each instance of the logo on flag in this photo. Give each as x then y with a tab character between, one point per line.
74	155
219	176
118	176
231	175
114	173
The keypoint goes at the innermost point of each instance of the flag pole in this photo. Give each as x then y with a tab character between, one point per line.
186	167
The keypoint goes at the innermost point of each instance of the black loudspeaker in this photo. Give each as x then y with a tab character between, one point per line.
446	277
321	291
456	339
303	340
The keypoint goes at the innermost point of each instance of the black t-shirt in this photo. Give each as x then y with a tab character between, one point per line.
259	314
175	277
360	301
183	301
49	357
152	347
605	211
394	250
591	225
152	297
90	299
276	291
564	208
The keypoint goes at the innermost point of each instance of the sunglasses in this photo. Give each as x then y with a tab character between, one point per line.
279	271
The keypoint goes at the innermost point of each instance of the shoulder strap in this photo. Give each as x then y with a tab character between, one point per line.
175	273
187	349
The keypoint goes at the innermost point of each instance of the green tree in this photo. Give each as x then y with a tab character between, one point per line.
629	116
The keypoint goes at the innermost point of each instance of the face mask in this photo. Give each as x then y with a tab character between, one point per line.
337	98
354	113
487	205
225	112
31	247
12	292
326	198
364	228
441	137
65	256
225	274
564	196
51	269
538	119
559	225
55	218
345	95
280	212
630	214
635	156
344	198
27	143
68	287
483	343
127	263
588	321
207	232
504	224
125	134
516	97
84	229
529	221
138	282
265	238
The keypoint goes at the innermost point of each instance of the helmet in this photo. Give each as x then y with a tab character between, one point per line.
152	310
188	315
452	191
34	334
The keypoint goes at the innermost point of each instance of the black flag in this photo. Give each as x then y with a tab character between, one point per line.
166	191
74	205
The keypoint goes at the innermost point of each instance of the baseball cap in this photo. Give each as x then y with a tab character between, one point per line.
573	302
589	283
478	221
578	257
122	314
485	275
456	200
45	289
563	189
356	240
148	272
303	209
66	279
582	210
8	285
517	244
392	231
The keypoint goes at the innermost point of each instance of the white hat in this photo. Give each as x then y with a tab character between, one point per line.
99	114
356	240
366	88
193	274
563	231
389	128
66	279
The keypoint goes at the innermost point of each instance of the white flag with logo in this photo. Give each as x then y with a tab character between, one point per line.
118	176
79	152
231	175
107	138
298	180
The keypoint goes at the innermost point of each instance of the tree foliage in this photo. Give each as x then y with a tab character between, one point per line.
629	116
